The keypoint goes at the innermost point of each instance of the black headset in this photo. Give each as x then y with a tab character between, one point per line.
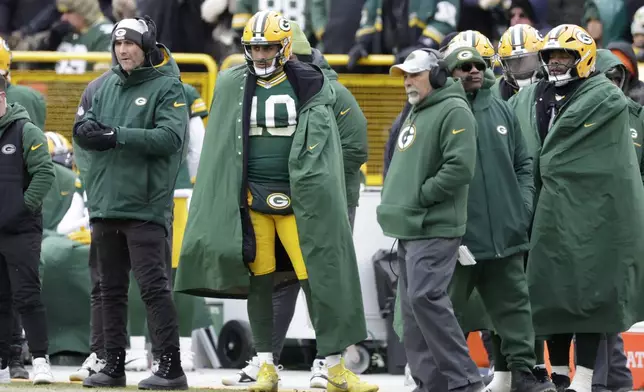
148	38
437	75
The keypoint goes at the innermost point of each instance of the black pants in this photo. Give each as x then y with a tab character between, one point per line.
122	245
20	290
97	343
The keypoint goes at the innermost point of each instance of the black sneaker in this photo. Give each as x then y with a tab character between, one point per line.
169	376
525	381
541	374
113	373
16	366
561	382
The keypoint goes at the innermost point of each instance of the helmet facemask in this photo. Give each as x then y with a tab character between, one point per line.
560	73
276	62
521	70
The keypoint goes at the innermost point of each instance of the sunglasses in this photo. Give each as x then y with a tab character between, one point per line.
468	67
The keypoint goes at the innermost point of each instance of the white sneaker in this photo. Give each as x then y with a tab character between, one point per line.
42	371
92	365
5	376
187	356
409	380
245	376
136	360
319	374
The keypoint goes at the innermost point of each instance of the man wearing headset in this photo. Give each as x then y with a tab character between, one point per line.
499	211
133	137
438	161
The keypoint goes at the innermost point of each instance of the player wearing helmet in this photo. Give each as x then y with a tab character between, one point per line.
518	52
27	97
585	262
474	39
274	171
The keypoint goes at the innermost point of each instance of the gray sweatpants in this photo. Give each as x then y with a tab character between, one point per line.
436	349
611	372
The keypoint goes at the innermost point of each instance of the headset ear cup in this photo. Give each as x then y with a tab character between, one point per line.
438	75
149	38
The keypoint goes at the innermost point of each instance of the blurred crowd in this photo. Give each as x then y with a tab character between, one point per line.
354	27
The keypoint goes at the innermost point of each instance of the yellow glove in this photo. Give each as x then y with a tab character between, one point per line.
193	180
82	235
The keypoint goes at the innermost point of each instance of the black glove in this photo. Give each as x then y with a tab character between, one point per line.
94	136
56	34
357	52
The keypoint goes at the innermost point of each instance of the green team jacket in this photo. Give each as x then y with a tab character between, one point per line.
605	61
216	240
295	10
435	18
352	125
59	197
31	100
499	206
585	267
197	108
148	109
35	155
425	191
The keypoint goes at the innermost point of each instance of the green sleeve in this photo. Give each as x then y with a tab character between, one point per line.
523	165
640	140
319	12
169	129
458	148
244	11
40	110
352	125
370	20
591	12
39	165
197	105
436	19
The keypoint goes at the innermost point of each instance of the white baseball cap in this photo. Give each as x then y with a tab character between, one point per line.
417	61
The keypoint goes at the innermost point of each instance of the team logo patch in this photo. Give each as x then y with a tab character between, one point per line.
285	25
120	33
278	201
464	55
583	37
502	130
140	101
406	137
8	149
633	133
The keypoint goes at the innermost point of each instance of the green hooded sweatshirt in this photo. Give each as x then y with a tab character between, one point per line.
59	198
31	100
425	191
149	111
499	206
352	125
605	61
35	155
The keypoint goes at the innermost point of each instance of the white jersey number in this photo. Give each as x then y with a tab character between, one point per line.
269	114
71	66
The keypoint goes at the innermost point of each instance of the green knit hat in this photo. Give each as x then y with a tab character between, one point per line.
301	45
463	55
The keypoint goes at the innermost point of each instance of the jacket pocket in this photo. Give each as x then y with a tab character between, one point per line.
402	221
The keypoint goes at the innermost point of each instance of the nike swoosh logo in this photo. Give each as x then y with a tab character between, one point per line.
589	125
34	148
342	113
64	193
344	386
457	131
178	105
109	133
313	146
